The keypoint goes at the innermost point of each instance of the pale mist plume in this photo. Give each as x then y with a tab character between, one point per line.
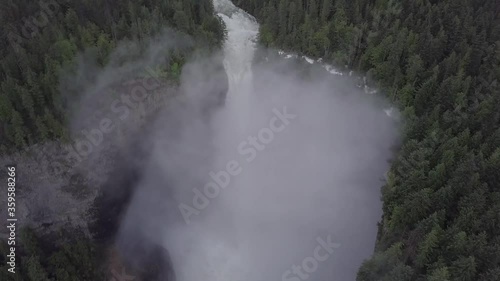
290	166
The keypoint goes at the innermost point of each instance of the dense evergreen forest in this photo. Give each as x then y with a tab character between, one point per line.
39	38
74	258
439	61
37	41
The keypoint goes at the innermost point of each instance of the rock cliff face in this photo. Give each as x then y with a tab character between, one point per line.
85	183
57	183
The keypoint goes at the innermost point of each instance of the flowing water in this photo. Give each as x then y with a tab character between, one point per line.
211	249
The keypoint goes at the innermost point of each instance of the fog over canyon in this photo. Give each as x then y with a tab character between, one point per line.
282	182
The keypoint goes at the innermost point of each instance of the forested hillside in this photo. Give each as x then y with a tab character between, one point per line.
39	38
439	61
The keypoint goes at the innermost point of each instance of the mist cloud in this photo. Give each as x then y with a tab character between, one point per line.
320	176
317	176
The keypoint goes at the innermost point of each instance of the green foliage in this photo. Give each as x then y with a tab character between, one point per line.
35	270
440	274
69	257
175	70
440	62
31	108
